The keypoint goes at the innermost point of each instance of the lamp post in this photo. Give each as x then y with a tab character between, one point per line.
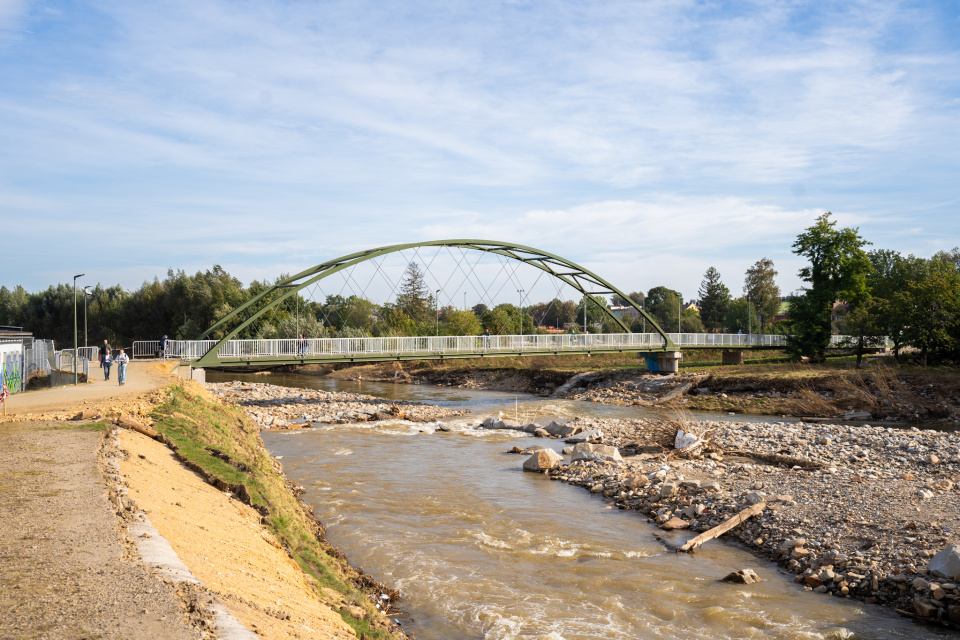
749	316
464	300
436	308
76	375
86	294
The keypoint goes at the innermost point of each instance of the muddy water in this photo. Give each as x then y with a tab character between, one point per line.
481	550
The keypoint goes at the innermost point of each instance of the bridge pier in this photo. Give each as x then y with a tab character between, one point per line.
731	357
663	361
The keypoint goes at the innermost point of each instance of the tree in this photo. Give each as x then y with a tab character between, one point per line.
635	296
690	321
460	323
595	312
664	305
414	298
741	316
837	272
714	300
861	324
933	309
762	291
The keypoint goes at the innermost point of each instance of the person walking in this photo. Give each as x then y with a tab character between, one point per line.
106	361
104	350
163	346
122	360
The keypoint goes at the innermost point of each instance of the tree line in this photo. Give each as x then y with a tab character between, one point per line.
866	294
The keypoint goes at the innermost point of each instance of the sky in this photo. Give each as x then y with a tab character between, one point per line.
646	141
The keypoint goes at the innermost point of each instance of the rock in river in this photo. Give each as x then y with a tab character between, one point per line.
542	461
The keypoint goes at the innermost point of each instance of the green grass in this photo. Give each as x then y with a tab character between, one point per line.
224	442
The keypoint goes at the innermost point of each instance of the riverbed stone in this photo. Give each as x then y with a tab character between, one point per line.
585	436
946	563
742	576
542	461
675	523
562	430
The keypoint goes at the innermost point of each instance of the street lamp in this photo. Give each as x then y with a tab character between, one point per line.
464	300
436	308
520	318
86	294
76	375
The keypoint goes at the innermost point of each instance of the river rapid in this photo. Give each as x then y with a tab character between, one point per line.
481	550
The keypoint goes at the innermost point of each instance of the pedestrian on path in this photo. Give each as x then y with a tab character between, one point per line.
106	361
122	361
105	350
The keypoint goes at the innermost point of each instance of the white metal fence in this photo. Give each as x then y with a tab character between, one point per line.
452	345
294	348
38	359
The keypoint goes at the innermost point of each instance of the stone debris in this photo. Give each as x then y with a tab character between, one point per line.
275	407
853	511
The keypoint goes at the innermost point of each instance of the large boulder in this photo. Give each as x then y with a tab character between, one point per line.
743	576
542	461
946	563
600	452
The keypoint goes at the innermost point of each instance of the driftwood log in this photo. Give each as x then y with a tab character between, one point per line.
721	529
130	423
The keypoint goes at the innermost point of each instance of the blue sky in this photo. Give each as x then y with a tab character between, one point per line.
645	140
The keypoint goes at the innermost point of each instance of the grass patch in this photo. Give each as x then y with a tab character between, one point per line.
221	440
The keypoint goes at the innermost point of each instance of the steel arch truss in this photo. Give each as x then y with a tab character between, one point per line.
570	273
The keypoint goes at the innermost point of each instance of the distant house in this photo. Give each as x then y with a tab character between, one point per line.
693	304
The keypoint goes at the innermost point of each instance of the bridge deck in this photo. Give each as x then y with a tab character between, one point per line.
329	350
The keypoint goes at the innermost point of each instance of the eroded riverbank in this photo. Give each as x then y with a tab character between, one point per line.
878	392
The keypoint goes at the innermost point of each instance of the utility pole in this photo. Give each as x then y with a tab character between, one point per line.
76	375
584	314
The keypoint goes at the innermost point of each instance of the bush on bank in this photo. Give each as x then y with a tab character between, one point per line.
220	442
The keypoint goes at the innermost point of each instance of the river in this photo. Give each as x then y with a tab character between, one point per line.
481	550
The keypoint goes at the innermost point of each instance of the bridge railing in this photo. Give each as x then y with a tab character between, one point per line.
294	348
727	340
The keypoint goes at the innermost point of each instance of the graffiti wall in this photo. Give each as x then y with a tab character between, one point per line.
11	366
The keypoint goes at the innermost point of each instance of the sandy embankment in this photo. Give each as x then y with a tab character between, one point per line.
223	543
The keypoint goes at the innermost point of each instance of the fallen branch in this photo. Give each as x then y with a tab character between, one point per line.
721	529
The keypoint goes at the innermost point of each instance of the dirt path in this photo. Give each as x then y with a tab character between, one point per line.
62	402
62	565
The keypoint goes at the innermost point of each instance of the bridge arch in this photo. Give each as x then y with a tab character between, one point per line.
570	273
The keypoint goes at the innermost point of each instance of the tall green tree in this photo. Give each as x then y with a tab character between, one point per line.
714	301
664	305
837	271
414	298
762	291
